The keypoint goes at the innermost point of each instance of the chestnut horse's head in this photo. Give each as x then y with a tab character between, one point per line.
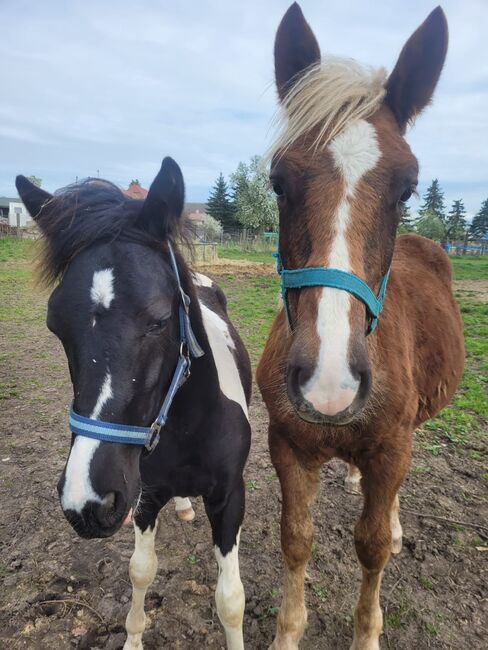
341	171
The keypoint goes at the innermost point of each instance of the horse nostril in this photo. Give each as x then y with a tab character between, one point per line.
109	500
110	509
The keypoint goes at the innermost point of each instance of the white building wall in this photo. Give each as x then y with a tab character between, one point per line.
18	208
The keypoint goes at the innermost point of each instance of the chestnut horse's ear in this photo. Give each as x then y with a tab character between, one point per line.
412	83
163	205
295	50
32	197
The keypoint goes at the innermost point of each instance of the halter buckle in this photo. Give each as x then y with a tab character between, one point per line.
154	436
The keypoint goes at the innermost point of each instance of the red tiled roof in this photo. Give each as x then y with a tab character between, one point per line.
135	191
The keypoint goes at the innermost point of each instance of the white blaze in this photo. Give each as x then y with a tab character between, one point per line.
332	387
77	488
102	289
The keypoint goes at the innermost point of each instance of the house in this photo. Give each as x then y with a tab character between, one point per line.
135	191
14	212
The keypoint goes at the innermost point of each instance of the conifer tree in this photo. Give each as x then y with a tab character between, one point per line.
219	205
479	225
456	221
406	223
434	201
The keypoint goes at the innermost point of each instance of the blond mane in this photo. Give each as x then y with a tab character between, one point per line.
327	97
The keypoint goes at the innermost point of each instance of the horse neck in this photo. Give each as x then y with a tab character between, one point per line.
202	388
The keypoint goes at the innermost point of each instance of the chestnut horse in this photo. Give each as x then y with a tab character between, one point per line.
341	171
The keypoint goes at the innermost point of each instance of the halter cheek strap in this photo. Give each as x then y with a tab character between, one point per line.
336	279
149	436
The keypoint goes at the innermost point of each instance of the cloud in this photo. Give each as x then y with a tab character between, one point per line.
115	86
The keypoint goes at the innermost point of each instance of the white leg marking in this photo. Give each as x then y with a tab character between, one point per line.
77	489
102	289
396	527
352	482
142	570
332	388
229	596
184	509
221	343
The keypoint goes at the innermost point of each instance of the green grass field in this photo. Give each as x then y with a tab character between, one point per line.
252	301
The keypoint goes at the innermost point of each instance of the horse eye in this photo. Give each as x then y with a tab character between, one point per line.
156	328
277	188
406	195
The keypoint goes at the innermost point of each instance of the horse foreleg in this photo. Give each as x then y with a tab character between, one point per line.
229	594
184	509
373	535
299	487
142	570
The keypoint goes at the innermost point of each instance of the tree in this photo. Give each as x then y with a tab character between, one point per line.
219	205
406	220
255	204
211	228
35	180
455	224
429	225
479	225
434	201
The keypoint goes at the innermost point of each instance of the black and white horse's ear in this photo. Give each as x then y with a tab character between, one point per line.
33	197
164	203
295	50
412	83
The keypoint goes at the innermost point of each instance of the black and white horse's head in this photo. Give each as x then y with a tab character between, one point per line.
115	310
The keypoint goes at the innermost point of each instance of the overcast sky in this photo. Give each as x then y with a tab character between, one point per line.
115	86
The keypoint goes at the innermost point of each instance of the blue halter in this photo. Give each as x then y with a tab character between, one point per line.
148	436
337	279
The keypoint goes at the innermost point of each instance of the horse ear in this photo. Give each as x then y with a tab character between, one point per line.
412	83
163	205
295	50
33	197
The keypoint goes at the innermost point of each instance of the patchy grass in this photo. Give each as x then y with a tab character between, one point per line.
252	302
235	253
15	248
470	267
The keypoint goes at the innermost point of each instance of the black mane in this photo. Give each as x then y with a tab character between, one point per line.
81	214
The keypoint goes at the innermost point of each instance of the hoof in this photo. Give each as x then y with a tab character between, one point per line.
186	515
352	487
133	642
396	545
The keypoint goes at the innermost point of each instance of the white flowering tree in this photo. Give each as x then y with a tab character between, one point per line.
254	201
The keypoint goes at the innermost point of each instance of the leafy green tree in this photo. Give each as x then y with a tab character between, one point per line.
456	221
406	220
35	179
429	225
255	204
479	225
219	205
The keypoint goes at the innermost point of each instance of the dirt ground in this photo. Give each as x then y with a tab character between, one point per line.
59	591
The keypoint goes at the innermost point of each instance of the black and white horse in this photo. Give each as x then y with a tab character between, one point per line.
116	311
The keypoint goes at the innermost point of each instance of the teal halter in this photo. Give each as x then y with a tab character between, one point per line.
336	279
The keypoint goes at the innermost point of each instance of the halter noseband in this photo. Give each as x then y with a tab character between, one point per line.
337	279
148	436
